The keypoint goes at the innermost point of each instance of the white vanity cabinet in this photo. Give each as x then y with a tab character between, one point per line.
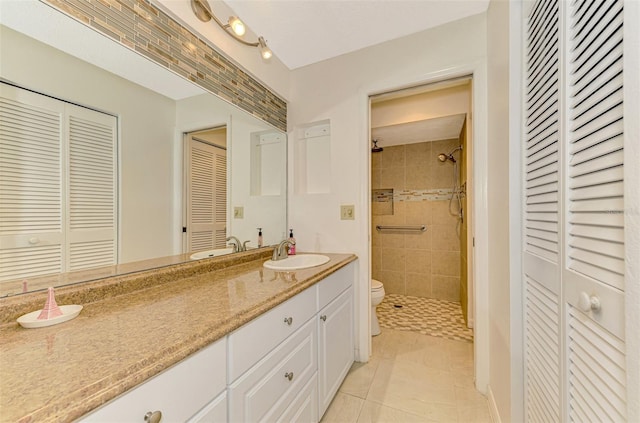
335	335
179	393
284	366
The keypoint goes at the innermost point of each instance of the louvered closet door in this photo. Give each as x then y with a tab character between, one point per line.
31	184
575	252
92	214
542	215
594	232
207	202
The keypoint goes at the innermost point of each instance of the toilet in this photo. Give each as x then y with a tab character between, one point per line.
377	294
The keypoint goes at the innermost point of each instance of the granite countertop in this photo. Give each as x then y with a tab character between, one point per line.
132	328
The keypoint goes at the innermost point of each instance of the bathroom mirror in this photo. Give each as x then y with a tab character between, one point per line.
154	108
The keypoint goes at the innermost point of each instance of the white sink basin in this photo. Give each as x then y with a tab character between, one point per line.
302	261
211	253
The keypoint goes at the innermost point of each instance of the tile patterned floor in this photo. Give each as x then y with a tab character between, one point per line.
411	377
427	316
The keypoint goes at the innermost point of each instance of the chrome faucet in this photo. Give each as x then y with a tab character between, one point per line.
244	245
280	252
237	245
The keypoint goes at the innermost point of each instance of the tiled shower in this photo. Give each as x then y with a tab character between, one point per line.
411	188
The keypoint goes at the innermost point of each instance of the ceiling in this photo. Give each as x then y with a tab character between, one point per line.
302	32
435	129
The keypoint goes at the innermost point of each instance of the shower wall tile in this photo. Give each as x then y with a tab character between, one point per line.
140	26
394	282
391	240
418	155
419	240
418	213
446	238
418	261
419	285
398	217
393	259
392	177
441	214
393	157
376	178
446	288
445	263
376	160
376	259
417	178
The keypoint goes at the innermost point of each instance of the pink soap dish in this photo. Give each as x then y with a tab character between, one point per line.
30	320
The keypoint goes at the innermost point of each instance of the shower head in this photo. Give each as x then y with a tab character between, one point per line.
375	148
444	157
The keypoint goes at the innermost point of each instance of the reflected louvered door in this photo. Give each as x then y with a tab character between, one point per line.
91	192
542	288
31	184
593	274
207	202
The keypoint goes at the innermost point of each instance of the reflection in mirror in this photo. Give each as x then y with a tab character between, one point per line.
150	156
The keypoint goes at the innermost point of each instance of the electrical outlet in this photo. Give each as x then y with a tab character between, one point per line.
347	212
238	212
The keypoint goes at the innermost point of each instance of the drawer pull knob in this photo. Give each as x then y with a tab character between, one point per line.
289	375
587	303
323	317
34	240
153	416
288	320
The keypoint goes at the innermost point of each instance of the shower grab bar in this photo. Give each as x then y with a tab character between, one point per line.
420	228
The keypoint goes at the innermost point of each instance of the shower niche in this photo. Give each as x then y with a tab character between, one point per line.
268	149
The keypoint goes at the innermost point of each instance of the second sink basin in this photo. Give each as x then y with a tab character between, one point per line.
301	261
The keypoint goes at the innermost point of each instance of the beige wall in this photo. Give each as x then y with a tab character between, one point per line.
421	264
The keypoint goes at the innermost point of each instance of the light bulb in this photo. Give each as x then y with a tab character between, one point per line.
264	50
237	26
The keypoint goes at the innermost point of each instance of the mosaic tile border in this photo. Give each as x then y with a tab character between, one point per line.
145	29
428	316
387	195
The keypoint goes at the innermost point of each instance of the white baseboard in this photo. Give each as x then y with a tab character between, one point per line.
493	408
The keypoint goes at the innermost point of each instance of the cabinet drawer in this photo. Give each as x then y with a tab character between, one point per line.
264	392
254	340
330	287
304	407
178	392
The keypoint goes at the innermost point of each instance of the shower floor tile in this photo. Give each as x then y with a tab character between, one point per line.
427	316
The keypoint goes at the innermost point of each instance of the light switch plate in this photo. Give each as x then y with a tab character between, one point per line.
347	212
238	212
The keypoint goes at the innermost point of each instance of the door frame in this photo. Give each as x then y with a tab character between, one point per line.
478	209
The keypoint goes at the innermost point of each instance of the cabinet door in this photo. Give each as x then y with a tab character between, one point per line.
335	343
214	412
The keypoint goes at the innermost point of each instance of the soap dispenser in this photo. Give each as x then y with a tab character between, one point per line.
259	237
292	240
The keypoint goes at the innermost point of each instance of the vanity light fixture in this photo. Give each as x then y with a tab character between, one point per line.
234	26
